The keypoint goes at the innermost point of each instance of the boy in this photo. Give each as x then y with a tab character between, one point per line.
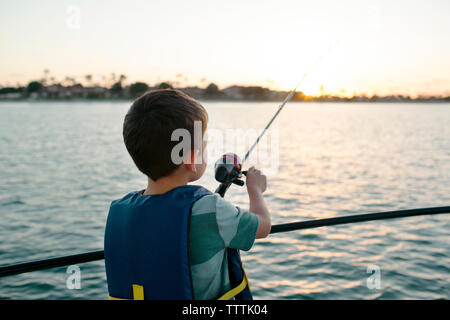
174	240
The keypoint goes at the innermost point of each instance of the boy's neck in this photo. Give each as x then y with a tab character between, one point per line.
164	184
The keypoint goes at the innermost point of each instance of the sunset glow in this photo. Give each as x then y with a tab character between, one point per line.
384	47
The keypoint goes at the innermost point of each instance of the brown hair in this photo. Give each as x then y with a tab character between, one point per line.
148	127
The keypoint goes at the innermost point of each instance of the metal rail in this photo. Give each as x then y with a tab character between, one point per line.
14	269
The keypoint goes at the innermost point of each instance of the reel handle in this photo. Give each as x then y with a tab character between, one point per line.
240	182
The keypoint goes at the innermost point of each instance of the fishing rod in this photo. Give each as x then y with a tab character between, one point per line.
15	269
285	101
228	167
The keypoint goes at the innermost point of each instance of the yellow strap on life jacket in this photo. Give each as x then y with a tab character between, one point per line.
236	290
138	293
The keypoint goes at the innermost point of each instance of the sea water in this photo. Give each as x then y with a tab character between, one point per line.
62	163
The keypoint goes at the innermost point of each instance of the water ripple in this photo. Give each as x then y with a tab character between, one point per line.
66	162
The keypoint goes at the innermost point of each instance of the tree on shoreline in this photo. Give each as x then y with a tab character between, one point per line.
34	86
212	91
117	88
165	85
138	88
88	78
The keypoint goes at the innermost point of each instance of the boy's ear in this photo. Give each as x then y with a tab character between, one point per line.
189	161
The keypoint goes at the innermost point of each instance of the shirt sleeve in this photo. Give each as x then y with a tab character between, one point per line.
237	227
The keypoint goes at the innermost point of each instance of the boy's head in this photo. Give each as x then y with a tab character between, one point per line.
148	128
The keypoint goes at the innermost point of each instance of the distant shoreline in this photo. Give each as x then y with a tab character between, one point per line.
39	91
228	100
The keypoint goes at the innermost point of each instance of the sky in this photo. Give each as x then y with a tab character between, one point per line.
348	47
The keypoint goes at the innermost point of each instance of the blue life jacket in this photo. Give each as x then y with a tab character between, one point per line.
147	248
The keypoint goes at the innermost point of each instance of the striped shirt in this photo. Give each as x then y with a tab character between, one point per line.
216	225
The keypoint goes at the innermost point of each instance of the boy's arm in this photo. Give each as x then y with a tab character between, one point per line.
256	185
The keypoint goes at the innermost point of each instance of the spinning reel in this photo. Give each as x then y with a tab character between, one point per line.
227	171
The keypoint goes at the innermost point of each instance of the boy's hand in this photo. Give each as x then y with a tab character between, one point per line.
256	181
256	185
